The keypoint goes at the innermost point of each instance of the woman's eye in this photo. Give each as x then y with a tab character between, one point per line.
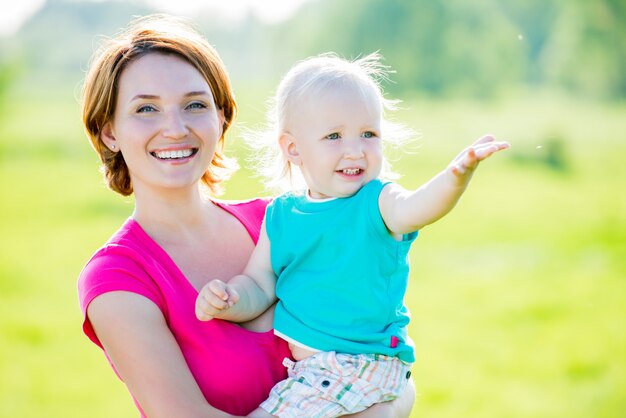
333	136
196	106
368	134
146	109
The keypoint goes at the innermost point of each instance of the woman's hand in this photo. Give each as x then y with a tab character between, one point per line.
398	408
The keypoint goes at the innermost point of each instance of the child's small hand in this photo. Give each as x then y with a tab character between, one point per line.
215	297
466	162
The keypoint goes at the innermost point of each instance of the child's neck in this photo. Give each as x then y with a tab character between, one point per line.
310	198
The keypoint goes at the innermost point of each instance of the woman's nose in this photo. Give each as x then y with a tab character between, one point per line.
175	126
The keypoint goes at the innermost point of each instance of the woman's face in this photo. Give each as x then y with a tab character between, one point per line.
166	124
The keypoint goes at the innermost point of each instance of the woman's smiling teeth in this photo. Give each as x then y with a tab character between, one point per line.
174	154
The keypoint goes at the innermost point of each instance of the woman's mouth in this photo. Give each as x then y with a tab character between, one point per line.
174	154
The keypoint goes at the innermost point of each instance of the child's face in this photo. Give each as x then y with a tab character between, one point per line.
336	140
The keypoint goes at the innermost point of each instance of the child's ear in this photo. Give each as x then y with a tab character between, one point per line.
107	136
289	148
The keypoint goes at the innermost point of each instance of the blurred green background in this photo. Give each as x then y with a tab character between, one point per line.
518	296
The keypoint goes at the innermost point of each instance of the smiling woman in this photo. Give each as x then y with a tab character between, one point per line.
207	86
167	138
157	103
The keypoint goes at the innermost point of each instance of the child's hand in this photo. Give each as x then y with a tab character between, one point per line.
466	162
215	297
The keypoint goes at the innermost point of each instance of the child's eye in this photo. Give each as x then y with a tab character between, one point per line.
333	136
197	106
368	134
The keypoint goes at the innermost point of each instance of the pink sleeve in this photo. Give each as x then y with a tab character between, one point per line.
113	269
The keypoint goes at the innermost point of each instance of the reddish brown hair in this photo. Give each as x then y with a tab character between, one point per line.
161	34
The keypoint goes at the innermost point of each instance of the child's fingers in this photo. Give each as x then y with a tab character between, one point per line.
216	302
484	139
211	300
470	157
233	296
204	310
219	289
226	294
202	315
209	305
222	295
485	150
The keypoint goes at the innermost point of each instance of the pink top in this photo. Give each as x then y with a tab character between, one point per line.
235	368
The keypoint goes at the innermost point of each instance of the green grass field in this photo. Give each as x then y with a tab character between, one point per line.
518	296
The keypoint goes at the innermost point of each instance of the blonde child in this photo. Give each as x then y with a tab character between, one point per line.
335	253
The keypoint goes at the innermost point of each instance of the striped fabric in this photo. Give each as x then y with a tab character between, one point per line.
328	384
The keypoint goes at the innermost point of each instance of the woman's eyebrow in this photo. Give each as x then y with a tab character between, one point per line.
197	93
154	96
144	97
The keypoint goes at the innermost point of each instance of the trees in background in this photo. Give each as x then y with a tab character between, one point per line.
439	47
478	48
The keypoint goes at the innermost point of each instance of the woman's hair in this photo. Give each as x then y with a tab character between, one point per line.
161	34
306	79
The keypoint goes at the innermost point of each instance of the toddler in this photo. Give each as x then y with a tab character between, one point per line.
335	252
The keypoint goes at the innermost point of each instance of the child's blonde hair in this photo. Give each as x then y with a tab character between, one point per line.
311	77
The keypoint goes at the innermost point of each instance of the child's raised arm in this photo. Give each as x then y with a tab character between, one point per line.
406	211
244	297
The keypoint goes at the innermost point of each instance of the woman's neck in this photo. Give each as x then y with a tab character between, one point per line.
175	213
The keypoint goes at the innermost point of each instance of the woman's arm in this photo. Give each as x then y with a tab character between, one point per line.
398	408
147	357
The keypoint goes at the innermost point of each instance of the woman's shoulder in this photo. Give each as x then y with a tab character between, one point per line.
121	263
129	240
246	205
249	212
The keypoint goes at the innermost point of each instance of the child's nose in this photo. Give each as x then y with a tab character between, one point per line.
353	149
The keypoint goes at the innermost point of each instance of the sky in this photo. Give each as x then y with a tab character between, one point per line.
14	13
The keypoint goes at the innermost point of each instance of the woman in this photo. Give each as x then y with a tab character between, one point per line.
157	102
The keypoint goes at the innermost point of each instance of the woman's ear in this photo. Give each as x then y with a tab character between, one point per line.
289	149
107	136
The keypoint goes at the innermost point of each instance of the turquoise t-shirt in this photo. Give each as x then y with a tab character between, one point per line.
341	276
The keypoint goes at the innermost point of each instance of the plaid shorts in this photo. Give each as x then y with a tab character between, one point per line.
328	384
